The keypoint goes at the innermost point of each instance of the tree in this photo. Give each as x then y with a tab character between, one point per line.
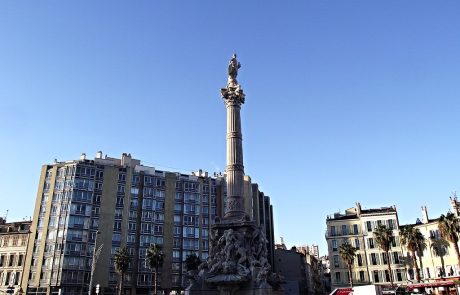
192	262
415	242
348	253
439	247
449	228
121	261
383	237
155	258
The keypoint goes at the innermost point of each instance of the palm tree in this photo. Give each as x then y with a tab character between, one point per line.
439	247
449	228
383	237
192	262
121	260
348	253
415	242
155	257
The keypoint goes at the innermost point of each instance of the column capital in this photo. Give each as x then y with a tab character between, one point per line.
233	95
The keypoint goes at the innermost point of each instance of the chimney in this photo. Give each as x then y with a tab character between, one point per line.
358	208
424	215
99	155
83	156
126	160
454	204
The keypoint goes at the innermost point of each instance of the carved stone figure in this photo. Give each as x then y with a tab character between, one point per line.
233	67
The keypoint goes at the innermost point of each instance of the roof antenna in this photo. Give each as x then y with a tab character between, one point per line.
6	215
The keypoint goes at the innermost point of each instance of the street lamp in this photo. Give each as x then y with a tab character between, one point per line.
96	254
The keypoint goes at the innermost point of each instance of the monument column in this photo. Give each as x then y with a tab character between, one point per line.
233	97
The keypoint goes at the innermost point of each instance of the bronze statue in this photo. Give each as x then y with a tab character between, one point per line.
233	67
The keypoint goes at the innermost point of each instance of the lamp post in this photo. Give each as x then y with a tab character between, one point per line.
96	254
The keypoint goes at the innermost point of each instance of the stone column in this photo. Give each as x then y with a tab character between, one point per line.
233	97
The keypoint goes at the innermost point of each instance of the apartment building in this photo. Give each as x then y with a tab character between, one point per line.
438	259
86	204
14	240
356	226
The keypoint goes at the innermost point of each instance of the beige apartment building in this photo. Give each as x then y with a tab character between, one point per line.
106	202
356	226
14	241
438	259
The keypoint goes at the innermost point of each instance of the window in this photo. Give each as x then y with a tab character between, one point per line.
371	243
374	259
116	237
369	225
117	225
333	233
355	229
158	229
176	254
177	231
334	245
384	258
336	260
376	276
361	276
20	259
177	219
359	259
160	205
399	275
393	241
131	239
396	258
391	224
121	177
337	277
387	276
147	204
357	244
344	229
11	261
159	217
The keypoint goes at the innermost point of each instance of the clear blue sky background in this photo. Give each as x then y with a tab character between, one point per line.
346	100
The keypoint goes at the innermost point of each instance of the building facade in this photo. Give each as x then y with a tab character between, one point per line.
292	266
356	226
438	259
14	241
83	205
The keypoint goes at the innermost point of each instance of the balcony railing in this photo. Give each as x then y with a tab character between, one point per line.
339	233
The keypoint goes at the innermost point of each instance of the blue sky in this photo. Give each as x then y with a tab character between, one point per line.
345	100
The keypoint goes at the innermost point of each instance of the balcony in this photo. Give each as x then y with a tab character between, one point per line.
339	233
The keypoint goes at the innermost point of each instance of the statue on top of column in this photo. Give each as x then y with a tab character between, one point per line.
233	67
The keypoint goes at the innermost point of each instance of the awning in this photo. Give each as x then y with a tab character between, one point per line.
432	285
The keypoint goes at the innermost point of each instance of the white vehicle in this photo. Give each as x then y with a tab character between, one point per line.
367	290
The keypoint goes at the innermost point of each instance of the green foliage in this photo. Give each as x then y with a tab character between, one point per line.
155	256
412	238
383	237
347	252
192	262
449	227
439	246
122	260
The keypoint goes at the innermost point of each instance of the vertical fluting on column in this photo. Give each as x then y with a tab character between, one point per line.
235	168
234	97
